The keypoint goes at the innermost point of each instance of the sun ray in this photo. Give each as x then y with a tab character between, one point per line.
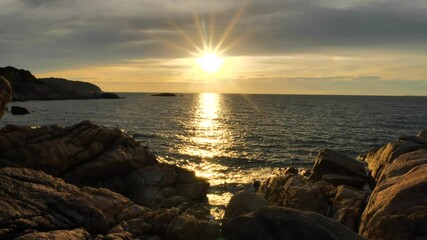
231	26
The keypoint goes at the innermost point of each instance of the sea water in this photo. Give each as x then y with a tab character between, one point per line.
233	139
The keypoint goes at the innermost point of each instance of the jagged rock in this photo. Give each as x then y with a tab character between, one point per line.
294	191
16	110
343	203
34	205
339	169
285	223
88	155
385	155
5	94
242	203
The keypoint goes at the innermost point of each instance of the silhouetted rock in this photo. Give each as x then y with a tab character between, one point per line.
397	208
284	223
339	169
16	110
27	87
164	95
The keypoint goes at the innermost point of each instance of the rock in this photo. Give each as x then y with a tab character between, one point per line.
339	169
242	203
164	95
89	155
285	223
348	206
385	155
5	94
75	234
15	110
109	95
294	191
188	227
27	87
397	208
34	205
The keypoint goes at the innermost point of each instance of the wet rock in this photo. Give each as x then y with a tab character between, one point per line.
285	223
339	169
5	94
16	110
242	203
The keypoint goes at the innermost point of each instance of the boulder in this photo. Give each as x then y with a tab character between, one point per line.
397	208
5	94
294	191
348	205
339	169
284	223
343	203
34	205
16	110
386	154
242	203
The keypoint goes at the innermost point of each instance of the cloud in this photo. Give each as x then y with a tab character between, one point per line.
54	35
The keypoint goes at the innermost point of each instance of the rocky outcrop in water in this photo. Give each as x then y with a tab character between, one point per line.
27	87
16	110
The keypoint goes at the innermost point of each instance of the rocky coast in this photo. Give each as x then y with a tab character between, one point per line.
90	182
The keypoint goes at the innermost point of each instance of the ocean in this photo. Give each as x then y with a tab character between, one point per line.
234	139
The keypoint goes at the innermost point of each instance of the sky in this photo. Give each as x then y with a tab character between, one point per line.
346	47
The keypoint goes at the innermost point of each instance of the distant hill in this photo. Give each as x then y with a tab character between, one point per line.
26	86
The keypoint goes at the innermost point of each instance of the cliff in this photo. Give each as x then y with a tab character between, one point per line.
27	87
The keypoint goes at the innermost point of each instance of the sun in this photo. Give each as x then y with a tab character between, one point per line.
210	62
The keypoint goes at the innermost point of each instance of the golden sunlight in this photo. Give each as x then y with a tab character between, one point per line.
210	62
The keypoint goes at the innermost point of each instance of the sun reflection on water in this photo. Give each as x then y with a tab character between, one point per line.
210	143
207	134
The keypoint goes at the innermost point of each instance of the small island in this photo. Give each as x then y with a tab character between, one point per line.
164	95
